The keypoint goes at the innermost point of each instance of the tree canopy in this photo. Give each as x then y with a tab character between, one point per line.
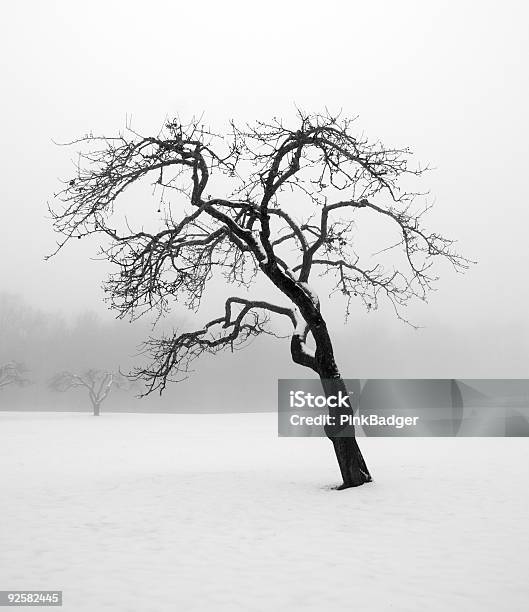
284	202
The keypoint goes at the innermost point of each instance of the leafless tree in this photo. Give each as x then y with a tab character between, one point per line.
98	383
292	199
13	373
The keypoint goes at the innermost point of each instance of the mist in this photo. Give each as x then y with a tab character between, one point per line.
453	88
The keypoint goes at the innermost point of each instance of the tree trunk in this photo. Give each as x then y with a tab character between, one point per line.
352	465
341	433
96	408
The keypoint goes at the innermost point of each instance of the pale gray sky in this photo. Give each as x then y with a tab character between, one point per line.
448	79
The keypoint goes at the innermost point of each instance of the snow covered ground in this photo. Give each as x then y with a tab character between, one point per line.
163	512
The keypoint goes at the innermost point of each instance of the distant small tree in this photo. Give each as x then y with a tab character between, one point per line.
98	383
13	373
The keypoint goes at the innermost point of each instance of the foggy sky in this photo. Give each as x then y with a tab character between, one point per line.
447	79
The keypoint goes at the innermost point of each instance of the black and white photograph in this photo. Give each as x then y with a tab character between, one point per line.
264	342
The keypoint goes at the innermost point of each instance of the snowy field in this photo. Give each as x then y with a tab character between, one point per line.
163	512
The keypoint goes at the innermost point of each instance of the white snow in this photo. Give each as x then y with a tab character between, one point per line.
310	292
301	325
262	253
160	512
301	331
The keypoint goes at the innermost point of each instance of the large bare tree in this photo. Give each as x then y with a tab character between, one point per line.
266	200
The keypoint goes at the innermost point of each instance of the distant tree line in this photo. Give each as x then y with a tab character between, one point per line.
46	349
49	342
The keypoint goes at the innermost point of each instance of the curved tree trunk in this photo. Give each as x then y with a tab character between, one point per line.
342	434
352	465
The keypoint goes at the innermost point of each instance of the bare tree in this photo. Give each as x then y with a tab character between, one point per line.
98	383
13	373
292	200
